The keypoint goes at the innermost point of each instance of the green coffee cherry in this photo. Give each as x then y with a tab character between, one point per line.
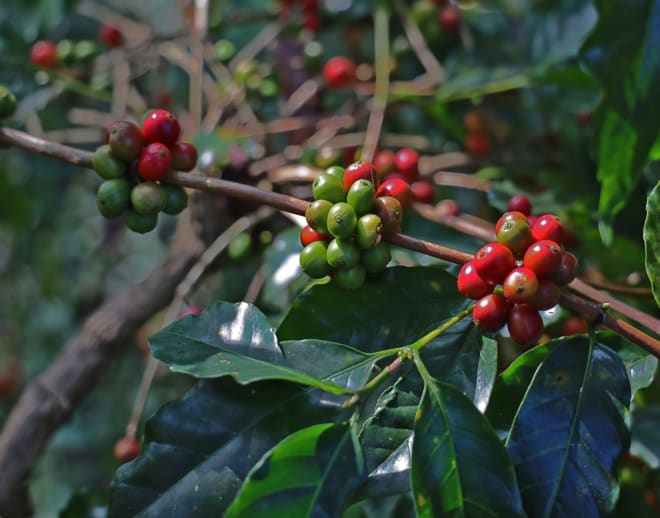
113	197
361	196
375	259
327	187
313	260
317	215
350	279
140	223
337	171
368	231
224	50
326	157
84	51
341	220
7	102
239	248
176	199
148	198
65	51
106	164
342	254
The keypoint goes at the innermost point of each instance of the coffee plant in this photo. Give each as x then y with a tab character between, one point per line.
339	258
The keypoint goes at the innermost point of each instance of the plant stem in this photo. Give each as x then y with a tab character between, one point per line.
424	340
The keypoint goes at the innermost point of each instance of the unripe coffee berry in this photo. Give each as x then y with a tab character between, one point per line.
125	140
113	197
342	254
521	285
309	235
154	162
140	223
350	278
368	231
148	198
493	262
549	227
106	164
397	188
160	126
313	259
490	313
336	171
361	196
520	203
341	220
470	284
328	187
7	102
516	234
176	199
509	216
316	215
544	257
525	325
375	259
339	71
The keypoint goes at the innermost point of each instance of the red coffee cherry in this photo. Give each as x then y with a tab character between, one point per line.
493	262
407	163
126	449
525	325
449	18
309	235
490	313
508	216
191	309
44	54
398	189
520	203
575	326
521	285
547	295
448	207
311	22
582	118
549	227
477	144
339	71
470	284
110	36
184	156
359	170
154	161
543	257
423	190
567	269
384	163
160	126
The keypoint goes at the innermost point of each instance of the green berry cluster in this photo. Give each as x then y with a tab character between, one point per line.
345	224
7	103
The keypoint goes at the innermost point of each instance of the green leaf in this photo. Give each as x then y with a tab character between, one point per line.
640	365
652	241
570	430
646	435
310	473
401	306
237	340
622	54
459	466
198	450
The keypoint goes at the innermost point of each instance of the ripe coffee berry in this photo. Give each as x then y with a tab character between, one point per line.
384	163
154	162
575	326
525	325
309	235
397	188
490	313
190	309
521	285
359	171
160	126
351	278
477	144
184	156
474	121
547	295
549	227
339	71
470	284
110	36
390	212
407	163
544	257
44	54
449	18
126	449
493	262
423	190
520	203
567	269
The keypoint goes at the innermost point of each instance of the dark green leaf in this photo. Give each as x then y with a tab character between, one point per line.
310	473
622	53
641	366
646	435
396	310
459	466
652	241
198	450
570	430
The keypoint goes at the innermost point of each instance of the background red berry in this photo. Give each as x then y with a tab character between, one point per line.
423	190
449	18
575	325
44	54
339	71
407	163
126	449
520	203
477	144
110	36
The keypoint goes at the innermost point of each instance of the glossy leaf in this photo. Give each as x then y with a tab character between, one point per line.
570	430
396	310
310	473
237	340
646	435
622	53
640	365
198	450
652	241
459	466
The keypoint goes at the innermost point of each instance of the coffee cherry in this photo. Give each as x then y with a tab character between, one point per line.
110	36
327	187
148	197
376	259
84	51
544	257
448	207
449	18
470	284
525	325
342	254
407	163
509	216
567	269
126	449
184	156
390	212
477	144
10	376
359	171
336	171
350	278
106	165
339	72
160	126
313	259
493	262
44	54
549	227
316	215
140	223
326	157
516	234
311	22
361	196
384	163
7	103
520	203
521	285
113	197
65	51
547	295
368	231
474	121
154	162
309	235
575	326
125	140
397	188
176	199
490	313
423	190
223	50
341	220
191	309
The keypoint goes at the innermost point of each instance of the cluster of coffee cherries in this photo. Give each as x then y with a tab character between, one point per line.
345	225
530	263
133	162
399	174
